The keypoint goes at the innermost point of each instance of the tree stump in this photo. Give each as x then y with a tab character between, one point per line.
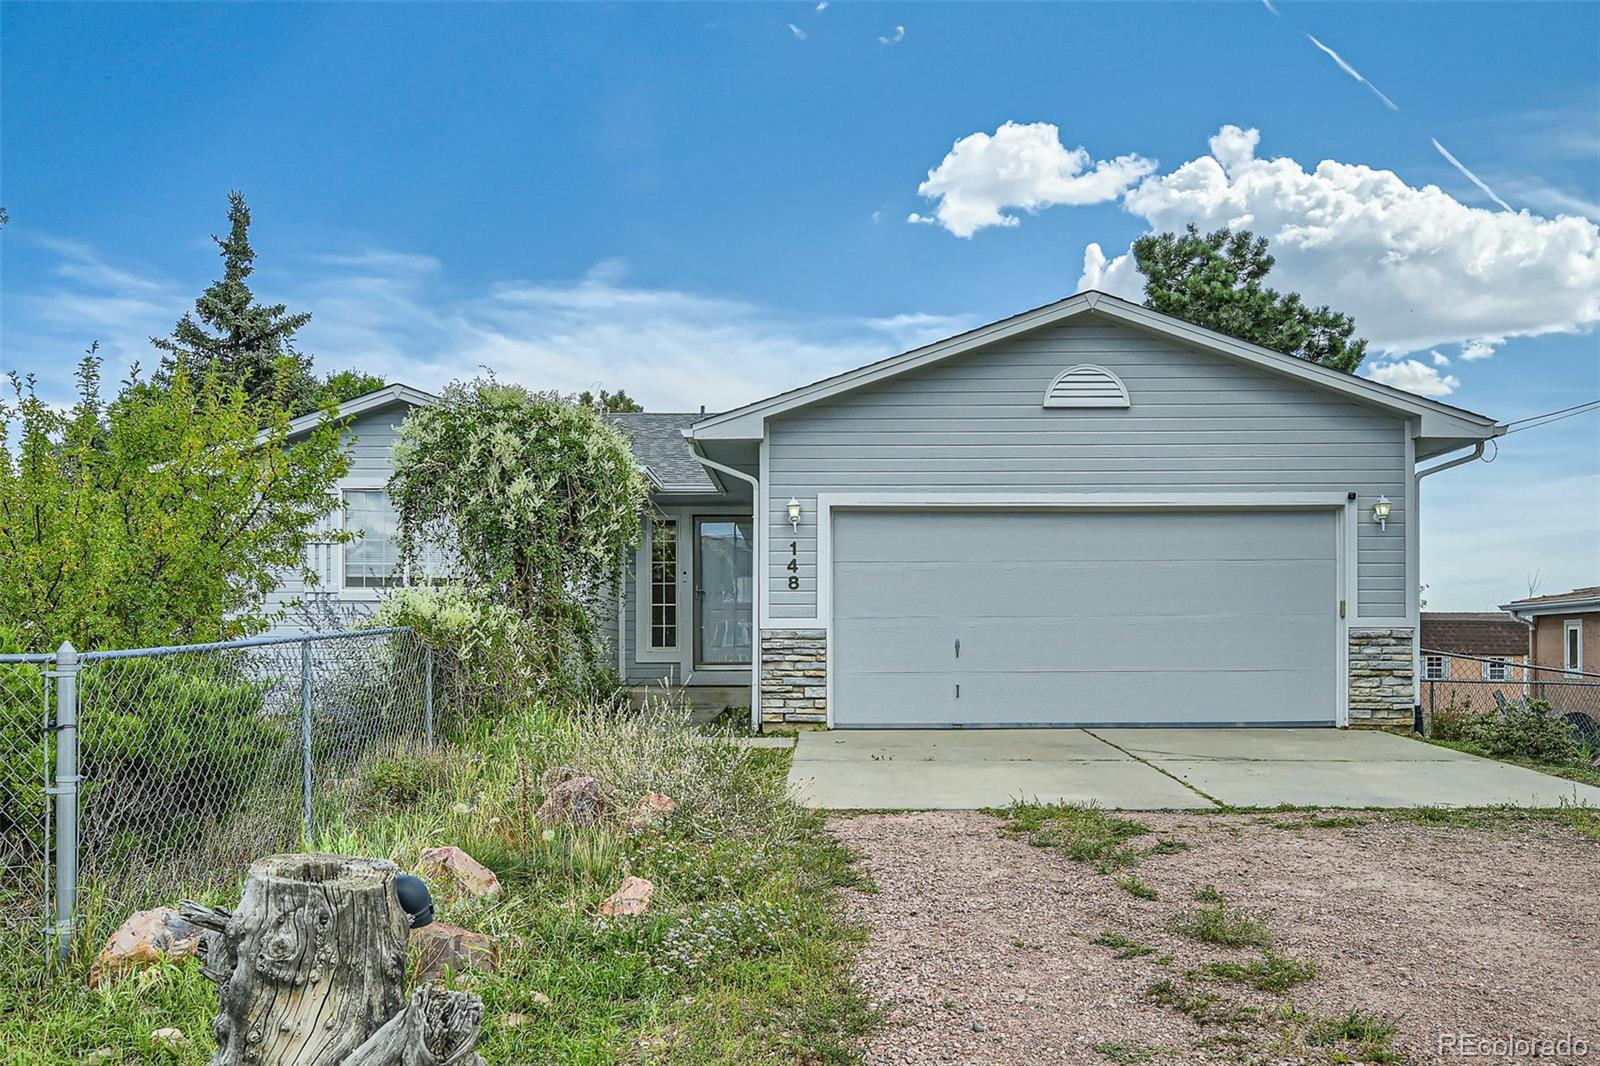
311	971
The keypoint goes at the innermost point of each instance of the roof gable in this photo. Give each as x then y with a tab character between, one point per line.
1437	419
366	403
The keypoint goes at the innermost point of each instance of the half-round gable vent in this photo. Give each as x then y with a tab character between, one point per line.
1086	385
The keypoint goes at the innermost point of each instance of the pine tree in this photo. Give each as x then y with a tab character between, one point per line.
239	339
1215	280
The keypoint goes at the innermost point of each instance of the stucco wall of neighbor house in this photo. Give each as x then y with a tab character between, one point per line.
1465	682
1382	671
1549	638
1198	423
370	439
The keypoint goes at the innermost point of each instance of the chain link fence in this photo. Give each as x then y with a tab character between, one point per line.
24	801
178	766
1462	685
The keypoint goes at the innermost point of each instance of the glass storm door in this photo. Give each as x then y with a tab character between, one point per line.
724	583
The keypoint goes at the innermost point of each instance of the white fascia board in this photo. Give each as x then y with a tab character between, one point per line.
1437	419
360	405
1575	605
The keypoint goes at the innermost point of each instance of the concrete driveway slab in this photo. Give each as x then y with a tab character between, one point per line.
920	769
1156	769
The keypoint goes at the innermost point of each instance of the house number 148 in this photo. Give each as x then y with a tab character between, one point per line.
794	564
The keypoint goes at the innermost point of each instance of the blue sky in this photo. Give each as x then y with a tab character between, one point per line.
704	204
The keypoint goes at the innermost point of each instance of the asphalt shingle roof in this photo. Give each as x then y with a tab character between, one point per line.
659	446
1474	633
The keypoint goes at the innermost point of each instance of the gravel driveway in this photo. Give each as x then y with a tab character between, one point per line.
981	946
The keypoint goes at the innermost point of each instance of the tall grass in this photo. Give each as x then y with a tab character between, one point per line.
743	957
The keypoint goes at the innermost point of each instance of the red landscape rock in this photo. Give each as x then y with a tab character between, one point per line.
145	938
468	874
443	945
629	901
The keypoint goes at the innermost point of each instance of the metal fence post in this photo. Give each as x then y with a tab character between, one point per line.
305	732
427	693
65	790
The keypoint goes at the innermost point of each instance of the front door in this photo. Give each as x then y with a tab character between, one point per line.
724	588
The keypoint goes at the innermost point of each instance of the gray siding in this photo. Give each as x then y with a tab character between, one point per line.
370	440
1199	422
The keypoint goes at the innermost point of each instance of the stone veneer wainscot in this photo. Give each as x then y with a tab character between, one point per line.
1382	676
794	677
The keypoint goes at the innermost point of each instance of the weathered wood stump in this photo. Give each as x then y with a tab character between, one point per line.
311	971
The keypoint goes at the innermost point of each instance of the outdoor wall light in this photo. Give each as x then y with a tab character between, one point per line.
794	513
1380	512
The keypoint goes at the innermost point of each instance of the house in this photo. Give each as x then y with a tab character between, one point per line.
1086	514
1563	630
1469	657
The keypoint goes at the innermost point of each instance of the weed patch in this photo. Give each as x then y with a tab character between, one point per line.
1270	973
1135	887
1083	833
1124	1051
1206	1008
1126	947
1370	1034
1217	924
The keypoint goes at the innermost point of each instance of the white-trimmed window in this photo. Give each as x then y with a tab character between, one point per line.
1572	645
372	559
1435	668
663	588
1497	669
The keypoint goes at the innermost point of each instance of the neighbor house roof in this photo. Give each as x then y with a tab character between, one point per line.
1438	419
1576	601
1474	633
662	449
367	402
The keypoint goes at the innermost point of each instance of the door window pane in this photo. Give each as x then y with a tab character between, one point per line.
724	583
372	560
664	585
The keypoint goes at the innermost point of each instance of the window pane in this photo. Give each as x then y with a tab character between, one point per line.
372	560
725	584
1573	635
664	585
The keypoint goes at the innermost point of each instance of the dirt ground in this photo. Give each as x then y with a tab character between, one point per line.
981	945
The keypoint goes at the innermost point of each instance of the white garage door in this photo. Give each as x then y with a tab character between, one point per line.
1006	618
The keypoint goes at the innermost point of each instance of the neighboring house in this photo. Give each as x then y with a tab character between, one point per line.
352	577
1562	630
1469	657
1089	513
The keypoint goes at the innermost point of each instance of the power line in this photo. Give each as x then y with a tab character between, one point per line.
1547	414
1552	417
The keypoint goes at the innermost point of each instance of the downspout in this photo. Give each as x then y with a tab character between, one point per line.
1415	518
757	565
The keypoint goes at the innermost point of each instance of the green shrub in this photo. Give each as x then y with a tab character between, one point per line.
1527	731
1454	720
484	652
402	781
169	747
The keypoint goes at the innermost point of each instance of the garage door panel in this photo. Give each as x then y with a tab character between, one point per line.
1197	633
877	537
991	645
1034	590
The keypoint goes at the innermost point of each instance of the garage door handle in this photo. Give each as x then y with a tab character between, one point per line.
958	649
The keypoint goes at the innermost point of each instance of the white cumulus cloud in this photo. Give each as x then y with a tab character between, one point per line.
1414	376
1020	166
1415	267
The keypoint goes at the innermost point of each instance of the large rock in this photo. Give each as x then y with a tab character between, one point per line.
575	800
629	901
443	945
468	874
146	938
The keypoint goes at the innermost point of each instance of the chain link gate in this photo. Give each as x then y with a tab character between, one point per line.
26	739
